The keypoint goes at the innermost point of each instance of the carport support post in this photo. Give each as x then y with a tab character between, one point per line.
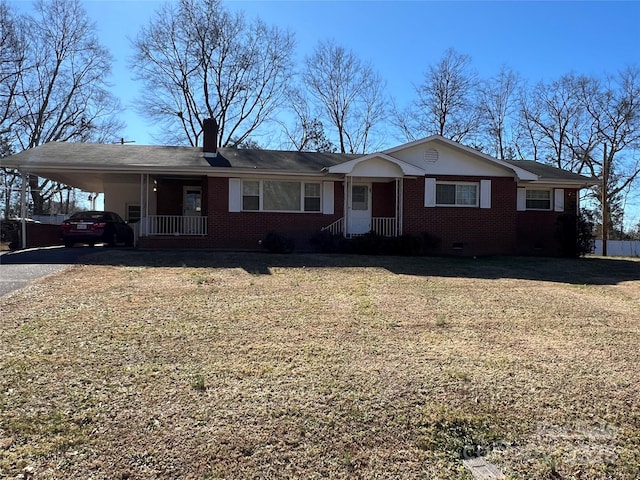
23	210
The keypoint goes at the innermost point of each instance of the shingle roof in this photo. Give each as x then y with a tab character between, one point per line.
105	155
114	157
547	172
95	155
302	162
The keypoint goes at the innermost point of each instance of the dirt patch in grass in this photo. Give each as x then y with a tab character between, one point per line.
257	366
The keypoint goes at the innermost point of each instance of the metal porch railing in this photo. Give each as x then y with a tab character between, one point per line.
176	225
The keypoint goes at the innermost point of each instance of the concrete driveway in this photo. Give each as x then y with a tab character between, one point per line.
19	268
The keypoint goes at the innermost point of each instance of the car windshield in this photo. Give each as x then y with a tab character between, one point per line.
89	216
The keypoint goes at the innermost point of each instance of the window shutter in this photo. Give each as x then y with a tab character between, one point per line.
429	192
327	198
522	199
558	199
485	193
235	195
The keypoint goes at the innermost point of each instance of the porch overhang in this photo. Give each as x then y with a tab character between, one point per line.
377	165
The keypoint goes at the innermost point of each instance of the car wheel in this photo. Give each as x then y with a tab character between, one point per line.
129	242
68	244
111	238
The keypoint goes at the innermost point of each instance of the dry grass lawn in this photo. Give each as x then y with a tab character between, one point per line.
146	365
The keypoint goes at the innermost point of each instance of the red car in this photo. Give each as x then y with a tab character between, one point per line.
96	227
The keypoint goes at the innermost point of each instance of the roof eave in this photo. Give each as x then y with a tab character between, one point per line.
346	168
587	183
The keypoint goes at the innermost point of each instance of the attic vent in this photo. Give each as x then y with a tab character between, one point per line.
431	155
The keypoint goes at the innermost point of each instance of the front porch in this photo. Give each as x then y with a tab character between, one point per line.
371	205
373	195
170	207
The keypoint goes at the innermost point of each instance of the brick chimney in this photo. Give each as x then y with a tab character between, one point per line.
210	137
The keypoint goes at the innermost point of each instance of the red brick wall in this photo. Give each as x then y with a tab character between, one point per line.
480	231
42	235
498	230
243	230
538	230
383	199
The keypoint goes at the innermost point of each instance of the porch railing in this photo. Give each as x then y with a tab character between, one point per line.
336	227
175	225
383	226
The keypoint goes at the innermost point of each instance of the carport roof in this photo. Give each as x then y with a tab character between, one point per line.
90	165
144	157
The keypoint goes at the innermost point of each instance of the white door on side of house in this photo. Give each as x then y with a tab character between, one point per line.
360	212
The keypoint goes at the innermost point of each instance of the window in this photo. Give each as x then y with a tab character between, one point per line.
280	196
192	201
133	213
460	194
311	197
251	195
360	197
538	199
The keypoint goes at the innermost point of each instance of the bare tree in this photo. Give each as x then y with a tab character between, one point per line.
305	131
589	126
556	123
199	60
498	107
12	59
11	64
446	103
348	92
61	91
613	105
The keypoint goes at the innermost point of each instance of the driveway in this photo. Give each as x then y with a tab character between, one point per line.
18	269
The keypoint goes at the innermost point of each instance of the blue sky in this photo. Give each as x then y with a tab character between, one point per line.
539	40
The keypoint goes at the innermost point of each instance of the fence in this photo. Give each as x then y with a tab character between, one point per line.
619	248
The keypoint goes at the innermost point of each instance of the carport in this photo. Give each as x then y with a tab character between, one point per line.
126	175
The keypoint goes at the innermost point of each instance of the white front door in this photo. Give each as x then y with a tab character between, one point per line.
360	211
192	201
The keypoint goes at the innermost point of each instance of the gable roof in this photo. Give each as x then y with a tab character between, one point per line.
348	166
521	173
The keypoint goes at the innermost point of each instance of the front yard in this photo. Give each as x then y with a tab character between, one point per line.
148	365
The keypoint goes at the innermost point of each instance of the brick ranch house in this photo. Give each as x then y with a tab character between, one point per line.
224	198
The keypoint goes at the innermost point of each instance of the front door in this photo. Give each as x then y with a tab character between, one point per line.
192	201
360	213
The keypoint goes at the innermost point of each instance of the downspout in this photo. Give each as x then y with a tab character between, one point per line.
23	210
143	222
345	227
399	205
146	202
